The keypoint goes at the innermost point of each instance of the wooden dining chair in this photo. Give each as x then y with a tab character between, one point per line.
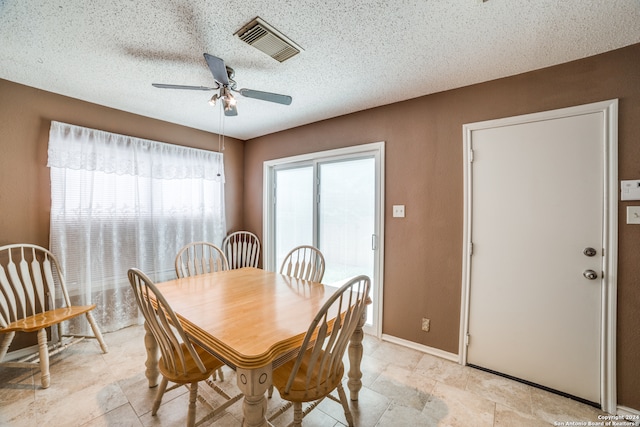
304	262
242	249
199	258
182	362
34	297
318	369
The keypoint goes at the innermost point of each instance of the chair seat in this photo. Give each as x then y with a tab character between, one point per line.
299	391
192	372
47	319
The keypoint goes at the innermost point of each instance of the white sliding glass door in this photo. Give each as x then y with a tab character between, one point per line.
330	200
346	217
293	218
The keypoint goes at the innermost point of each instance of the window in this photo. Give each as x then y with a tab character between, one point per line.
119	202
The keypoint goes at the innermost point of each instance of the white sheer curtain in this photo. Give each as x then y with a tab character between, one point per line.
119	202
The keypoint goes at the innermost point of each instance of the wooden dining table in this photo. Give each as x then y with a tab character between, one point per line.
255	321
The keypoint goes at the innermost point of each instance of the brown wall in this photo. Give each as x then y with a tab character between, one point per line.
424	171
25	117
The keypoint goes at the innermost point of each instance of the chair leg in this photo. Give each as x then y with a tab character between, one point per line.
43	350
345	405
297	414
96	332
6	342
193	396
221	374
161	389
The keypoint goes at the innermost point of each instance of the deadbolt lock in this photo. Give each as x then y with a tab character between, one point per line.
589	252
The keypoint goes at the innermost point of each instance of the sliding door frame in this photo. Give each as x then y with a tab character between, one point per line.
376	150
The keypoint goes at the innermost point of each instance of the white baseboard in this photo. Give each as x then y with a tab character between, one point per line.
632	415
422	348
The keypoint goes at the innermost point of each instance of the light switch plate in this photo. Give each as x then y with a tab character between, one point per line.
398	211
630	190
633	214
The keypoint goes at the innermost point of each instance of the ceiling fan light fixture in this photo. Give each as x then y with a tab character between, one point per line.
267	39
228	99
229	104
213	100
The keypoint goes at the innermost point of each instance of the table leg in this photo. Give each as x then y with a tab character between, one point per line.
254	383
355	357
153	356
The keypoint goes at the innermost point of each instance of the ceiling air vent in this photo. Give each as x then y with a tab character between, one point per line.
263	37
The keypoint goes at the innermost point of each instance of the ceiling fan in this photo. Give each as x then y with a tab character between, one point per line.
223	76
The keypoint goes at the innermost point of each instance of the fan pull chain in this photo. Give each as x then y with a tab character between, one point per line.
221	135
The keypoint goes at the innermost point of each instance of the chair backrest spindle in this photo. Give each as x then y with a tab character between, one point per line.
200	258
304	262
242	249
29	275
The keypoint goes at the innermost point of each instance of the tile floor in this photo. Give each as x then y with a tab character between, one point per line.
401	387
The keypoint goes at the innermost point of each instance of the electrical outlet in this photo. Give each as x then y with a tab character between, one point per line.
398	211
426	324
633	214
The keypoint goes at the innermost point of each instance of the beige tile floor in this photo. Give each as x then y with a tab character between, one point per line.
401	387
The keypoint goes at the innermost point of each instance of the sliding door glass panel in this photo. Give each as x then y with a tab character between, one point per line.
346	218
331	200
293	210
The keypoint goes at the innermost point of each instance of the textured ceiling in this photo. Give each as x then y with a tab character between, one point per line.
358	54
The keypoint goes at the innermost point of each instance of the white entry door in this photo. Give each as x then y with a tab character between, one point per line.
537	249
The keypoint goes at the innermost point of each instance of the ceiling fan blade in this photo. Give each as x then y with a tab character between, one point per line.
166	86
266	96
218	69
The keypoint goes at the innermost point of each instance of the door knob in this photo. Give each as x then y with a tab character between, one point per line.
590	274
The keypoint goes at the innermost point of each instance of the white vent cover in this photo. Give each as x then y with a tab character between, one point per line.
263	37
